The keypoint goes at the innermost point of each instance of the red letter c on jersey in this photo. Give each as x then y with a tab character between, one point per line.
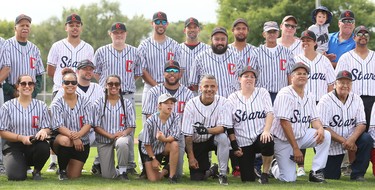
282	64
32	60
231	68
128	65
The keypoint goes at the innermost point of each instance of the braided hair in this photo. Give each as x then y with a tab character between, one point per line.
106	94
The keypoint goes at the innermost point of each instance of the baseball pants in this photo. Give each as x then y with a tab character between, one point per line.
131	163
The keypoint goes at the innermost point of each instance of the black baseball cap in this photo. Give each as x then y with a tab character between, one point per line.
344	74
191	20
249	69
301	65
360	28
240	20
73	18
85	63
159	16
21	17
348	14
219	30
172	64
308	34
118	26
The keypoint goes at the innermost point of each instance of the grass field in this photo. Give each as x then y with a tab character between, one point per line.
88	181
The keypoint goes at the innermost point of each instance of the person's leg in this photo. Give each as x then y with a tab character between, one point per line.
359	166
39	154
74	168
180	165
373	160
286	170
222	142
15	163
332	169
246	166
154	174
172	150
267	151
201	155
122	146
234	161
107	160
368	101
131	162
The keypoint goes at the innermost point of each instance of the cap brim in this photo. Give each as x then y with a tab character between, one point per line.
271	28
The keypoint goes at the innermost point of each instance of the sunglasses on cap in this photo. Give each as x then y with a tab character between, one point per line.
290	26
158	22
365	34
67	82
113	84
172	70
348	21
24	84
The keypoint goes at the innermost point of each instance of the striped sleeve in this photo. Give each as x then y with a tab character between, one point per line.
283	106
98	112
58	113
5	117
175	126
187	122
148	131
130	116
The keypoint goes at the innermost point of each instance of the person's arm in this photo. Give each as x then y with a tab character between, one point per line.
193	163
13	137
350	142
319	135
103	132
148	79
4	72
266	134
335	137
51	71
38	85
216	130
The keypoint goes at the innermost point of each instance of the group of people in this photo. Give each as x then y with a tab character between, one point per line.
259	107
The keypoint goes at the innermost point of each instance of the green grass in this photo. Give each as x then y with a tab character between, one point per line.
88	181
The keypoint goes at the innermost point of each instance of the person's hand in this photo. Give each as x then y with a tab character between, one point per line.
78	145
331	56
25	139
238	152
266	137
298	156
155	164
193	163
41	135
350	145
74	135
319	135
160	136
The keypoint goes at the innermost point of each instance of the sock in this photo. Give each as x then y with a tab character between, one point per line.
53	158
121	169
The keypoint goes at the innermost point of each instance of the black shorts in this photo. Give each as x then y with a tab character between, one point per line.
163	159
76	155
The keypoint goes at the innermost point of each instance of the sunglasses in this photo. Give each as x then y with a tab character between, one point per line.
158	22
24	84
346	21
290	26
360	34
67	82
113	84
172	70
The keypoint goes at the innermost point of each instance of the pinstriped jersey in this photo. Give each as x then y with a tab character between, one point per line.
155	55
215	114
296	47
153	124
183	95
2	41
245	53
63	55
225	67
21	60
126	64
112	118
73	119
363	71
187	59
300	112
341	118
321	75
249	115
273	67
24	121
94	92
371	129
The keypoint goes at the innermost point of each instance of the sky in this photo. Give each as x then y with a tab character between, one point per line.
176	10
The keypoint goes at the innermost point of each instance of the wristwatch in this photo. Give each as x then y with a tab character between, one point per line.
152	158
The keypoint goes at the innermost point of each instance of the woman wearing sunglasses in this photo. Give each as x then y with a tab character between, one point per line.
24	126
72	120
114	121
288	39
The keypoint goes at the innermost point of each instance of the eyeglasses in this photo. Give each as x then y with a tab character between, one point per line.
172	70
348	21
113	84
30	84
290	26
67	82
365	34
162	22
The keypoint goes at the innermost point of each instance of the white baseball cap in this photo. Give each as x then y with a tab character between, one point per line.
164	97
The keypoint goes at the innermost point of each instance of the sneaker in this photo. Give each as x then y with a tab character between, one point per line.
124	176
236	172
37	176
212	172
29	170
317	176
257	172
132	171
358	178
301	171
96	170
2	170
274	169
263	178
143	174
223	180
346	170
63	175
52	167
173	179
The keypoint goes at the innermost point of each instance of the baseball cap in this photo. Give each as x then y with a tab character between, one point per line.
219	30
270	25
118	26
85	63
240	20
301	65
249	69
164	97
190	21
172	64
344	74
288	18
348	14
159	16
73	18
360	28
21	17
308	34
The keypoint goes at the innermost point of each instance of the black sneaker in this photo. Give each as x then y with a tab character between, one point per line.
37	176
257	172
52	167
212	172
173	179
132	171
143	174
63	175
317	176
223	180
96	170
124	176
358	178
263	178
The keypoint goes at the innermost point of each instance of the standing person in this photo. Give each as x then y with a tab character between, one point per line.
72	120
295	111
220	61
159	141
205	120
191	48
22	57
114	122
288	37
342	114
342	41
272	61
24	127
252	115
67	52
321	18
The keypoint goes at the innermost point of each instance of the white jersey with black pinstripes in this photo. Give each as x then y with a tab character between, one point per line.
24	121
215	114
187	59
245	53
2	41
72	118
273	67
321	75
363	71
183	95
342	118
249	115
94	92
126	64
300	112
371	129
112	118
155	55
21	60
296	47
225	67
153	124
63	55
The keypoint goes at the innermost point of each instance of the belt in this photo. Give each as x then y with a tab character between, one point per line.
126	92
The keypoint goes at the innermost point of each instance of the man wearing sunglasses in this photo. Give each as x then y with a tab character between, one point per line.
288	39
342	41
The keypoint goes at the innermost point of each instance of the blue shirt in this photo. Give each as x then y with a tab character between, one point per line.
339	48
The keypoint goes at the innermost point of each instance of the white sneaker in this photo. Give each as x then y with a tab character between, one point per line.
301	171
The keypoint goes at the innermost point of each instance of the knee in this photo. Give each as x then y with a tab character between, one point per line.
123	142
42	147
174	145
327	137
366	139
64	141
16	175
222	140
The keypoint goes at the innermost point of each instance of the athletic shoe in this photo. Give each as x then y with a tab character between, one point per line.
29	170
52	167
346	170
257	172
274	171
317	176
301	171
124	176
173	179
236	172
132	171
37	176
358	178
2	170
143	174
212	172
96	170
263	178
63	175
223	180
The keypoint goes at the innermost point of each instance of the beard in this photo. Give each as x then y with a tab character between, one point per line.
217	50
171	83
240	39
